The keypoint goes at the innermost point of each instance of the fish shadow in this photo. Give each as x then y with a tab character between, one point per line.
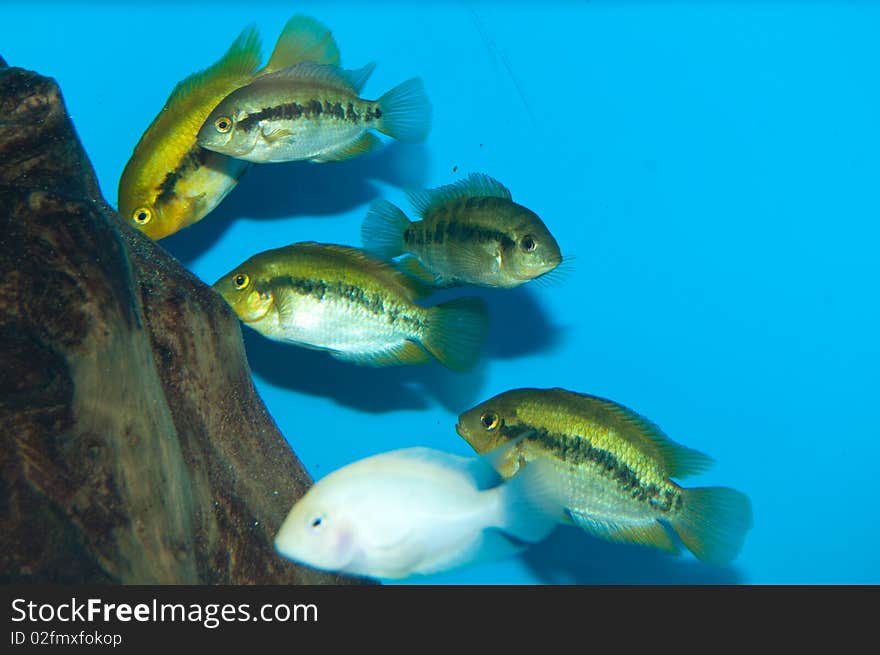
518	324
301	188
367	389
571	556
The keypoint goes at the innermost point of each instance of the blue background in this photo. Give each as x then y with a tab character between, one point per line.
712	169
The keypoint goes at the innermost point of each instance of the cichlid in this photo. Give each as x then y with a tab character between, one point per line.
470	232
614	468
170	182
358	308
416	511
313	112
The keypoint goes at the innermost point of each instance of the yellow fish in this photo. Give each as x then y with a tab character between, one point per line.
171	182
613	470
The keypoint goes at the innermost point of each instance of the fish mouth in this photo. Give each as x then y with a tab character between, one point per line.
460	430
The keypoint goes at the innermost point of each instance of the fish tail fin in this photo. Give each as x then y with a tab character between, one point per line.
531	502
303	39
406	112
713	523
455	332
383	229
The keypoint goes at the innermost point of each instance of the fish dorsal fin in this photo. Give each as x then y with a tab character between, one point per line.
303	39
473	186
385	271
350	81
240	61
678	461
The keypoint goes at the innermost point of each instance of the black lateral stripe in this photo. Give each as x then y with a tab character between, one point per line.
192	161
577	451
374	303
456	232
312	109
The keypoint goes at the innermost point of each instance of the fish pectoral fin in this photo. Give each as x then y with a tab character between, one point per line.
649	533
367	143
412	267
406	353
476	262
271	136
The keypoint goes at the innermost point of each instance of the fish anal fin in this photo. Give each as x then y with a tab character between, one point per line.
406	353
649	533
366	143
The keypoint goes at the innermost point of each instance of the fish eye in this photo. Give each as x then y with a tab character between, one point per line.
317	522
528	243
489	420
223	124
142	215
240	281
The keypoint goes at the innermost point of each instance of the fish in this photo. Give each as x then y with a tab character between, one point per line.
312	112
170	182
470	232
357	307
613	467
416	511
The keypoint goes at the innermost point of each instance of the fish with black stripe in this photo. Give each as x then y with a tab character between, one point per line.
358	308
470	232
311	112
614	469
170	182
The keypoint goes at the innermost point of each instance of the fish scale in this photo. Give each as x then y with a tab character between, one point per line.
359	308
566	421
340	120
355	320
170	182
470	232
612	470
312	112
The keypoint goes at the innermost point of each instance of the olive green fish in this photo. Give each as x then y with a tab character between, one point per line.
359	308
613	469
313	112
170	182
470	232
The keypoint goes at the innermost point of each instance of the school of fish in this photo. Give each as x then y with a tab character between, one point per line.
543	457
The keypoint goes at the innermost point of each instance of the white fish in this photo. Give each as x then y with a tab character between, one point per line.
417	511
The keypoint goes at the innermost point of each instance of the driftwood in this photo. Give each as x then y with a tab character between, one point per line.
133	446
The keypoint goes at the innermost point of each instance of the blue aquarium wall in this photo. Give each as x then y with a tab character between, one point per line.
711	172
